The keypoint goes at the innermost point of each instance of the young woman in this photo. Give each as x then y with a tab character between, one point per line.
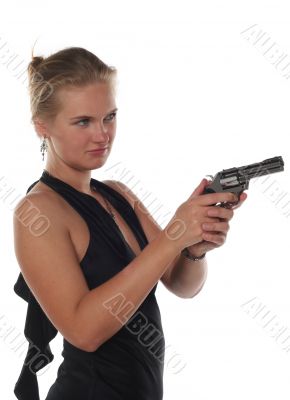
90	253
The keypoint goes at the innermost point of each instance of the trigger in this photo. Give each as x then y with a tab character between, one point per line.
228	205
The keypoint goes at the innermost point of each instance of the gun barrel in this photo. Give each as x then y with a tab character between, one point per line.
268	166
237	179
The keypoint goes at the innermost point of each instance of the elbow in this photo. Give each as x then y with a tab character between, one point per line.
83	336
91	344
186	294
86	344
195	293
80	342
189	295
90	347
83	339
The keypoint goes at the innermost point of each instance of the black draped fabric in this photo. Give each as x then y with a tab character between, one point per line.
129	365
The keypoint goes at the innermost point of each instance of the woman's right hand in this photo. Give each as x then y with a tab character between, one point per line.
185	227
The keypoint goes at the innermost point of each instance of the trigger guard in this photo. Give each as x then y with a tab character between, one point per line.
228	205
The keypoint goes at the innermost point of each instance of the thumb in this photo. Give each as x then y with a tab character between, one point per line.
199	189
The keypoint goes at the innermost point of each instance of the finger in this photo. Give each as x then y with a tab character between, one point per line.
216	226
214	198
242	199
213	237
236	204
199	189
211	219
243	196
206	246
220	212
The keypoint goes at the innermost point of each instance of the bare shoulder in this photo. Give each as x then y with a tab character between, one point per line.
48	262
124	190
150	226
39	203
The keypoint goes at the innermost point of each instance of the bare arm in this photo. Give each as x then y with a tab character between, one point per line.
188	277
132	284
51	269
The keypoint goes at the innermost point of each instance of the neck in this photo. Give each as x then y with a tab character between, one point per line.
79	180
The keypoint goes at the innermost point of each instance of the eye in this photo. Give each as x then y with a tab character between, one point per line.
113	115
81	120
86	120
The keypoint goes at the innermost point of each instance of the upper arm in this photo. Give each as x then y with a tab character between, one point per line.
150	226
48	263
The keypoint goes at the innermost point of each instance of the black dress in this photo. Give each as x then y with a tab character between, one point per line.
129	365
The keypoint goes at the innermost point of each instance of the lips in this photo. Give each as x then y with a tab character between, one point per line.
100	149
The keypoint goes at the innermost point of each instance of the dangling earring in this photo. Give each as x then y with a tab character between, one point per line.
43	148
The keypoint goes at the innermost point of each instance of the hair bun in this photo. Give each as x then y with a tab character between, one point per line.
36	61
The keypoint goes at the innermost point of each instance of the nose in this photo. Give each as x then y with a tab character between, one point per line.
100	132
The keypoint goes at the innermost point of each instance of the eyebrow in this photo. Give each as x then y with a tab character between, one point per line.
88	116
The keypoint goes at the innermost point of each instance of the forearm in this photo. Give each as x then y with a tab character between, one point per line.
96	323
188	277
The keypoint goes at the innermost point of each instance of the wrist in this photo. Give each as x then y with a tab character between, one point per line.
172	236
169	242
191	255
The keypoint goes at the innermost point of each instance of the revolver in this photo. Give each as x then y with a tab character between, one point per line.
236	180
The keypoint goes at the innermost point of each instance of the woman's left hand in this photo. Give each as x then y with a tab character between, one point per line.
215	233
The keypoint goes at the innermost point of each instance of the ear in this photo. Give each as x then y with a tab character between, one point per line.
41	128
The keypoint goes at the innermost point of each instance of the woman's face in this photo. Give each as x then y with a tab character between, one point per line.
86	121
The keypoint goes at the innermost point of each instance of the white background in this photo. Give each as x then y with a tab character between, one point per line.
195	96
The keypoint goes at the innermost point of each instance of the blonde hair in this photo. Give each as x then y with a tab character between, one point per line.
70	67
